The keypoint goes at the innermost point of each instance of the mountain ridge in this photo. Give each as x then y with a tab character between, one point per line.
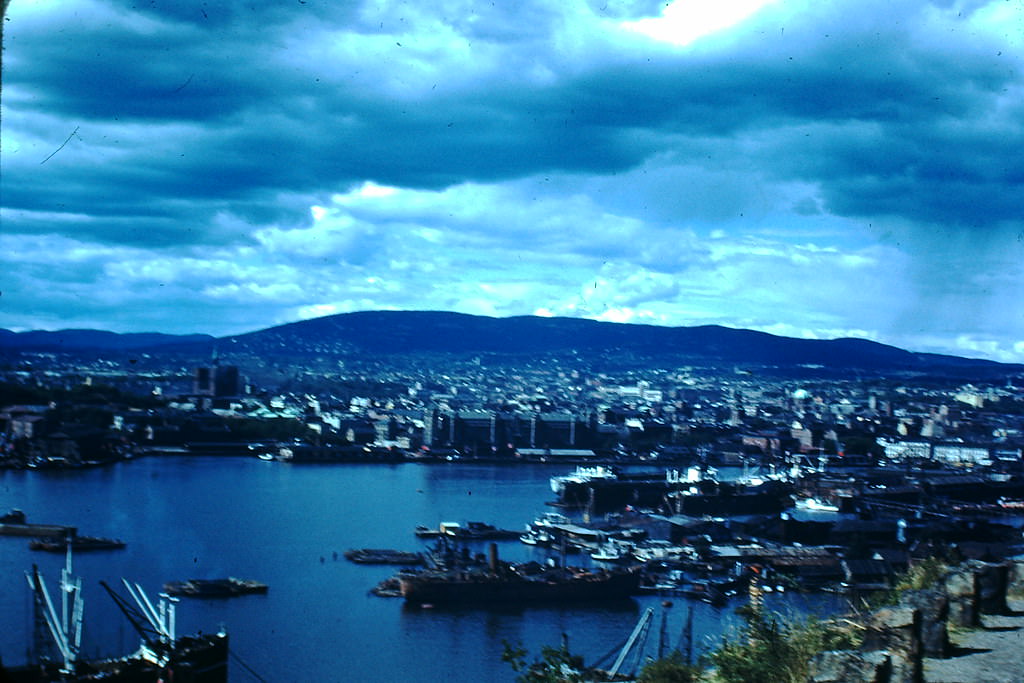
389	333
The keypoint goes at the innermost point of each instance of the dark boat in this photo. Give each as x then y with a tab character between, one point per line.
78	544
214	588
162	656
470	531
529	582
502	582
383	556
14	523
190	659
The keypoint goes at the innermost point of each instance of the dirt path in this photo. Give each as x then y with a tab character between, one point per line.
991	654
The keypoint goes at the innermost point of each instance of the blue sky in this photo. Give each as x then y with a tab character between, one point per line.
803	168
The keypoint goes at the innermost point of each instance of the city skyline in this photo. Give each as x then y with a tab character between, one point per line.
839	170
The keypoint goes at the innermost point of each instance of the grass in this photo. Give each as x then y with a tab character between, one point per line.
769	649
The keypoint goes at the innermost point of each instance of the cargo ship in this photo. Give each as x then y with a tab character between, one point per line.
601	489
501	582
694	491
162	655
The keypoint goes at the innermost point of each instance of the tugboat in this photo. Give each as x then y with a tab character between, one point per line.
162	656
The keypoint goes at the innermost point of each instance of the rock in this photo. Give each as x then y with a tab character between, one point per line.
961	586
993	583
933	604
850	666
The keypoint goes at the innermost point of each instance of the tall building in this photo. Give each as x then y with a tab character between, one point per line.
226	381
202	382
220	381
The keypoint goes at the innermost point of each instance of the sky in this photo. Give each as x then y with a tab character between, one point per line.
810	169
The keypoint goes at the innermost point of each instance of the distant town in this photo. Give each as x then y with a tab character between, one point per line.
69	410
711	478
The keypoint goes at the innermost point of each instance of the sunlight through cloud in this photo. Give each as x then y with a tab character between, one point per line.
684	21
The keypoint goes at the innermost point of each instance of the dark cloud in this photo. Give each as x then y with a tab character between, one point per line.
215	127
908	137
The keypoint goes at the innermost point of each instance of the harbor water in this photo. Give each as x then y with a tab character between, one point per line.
288	526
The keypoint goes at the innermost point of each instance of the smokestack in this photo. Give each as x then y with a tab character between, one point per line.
493	557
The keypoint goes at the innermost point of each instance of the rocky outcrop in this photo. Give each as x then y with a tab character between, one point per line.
897	639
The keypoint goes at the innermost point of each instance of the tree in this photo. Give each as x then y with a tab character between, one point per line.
555	665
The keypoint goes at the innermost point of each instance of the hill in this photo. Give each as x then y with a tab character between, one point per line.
86	340
403	333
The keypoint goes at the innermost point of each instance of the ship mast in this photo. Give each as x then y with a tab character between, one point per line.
156	624
66	627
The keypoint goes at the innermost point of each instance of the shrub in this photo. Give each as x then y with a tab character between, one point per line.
766	649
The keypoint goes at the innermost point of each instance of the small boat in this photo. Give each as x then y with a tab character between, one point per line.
537	537
388	588
612	551
470	531
214	588
661	551
423	531
551	519
815	505
383	556
78	544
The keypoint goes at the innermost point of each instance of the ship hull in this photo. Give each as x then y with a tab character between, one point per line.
498	589
196	659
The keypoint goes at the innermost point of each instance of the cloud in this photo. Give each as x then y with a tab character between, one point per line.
820	166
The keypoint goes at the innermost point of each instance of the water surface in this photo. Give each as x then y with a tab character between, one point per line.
287	525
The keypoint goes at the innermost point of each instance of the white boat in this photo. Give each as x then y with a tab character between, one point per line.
612	551
660	551
815	505
581	475
550	519
537	537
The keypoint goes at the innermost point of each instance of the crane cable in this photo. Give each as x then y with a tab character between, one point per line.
246	666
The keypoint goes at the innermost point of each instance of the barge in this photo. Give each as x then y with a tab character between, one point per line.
214	588
78	544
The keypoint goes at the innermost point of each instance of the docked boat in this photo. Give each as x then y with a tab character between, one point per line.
601	489
162	655
383	556
214	588
549	520
538	537
580	476
470	531
15	523
613	550
502	582
815	505
78	544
